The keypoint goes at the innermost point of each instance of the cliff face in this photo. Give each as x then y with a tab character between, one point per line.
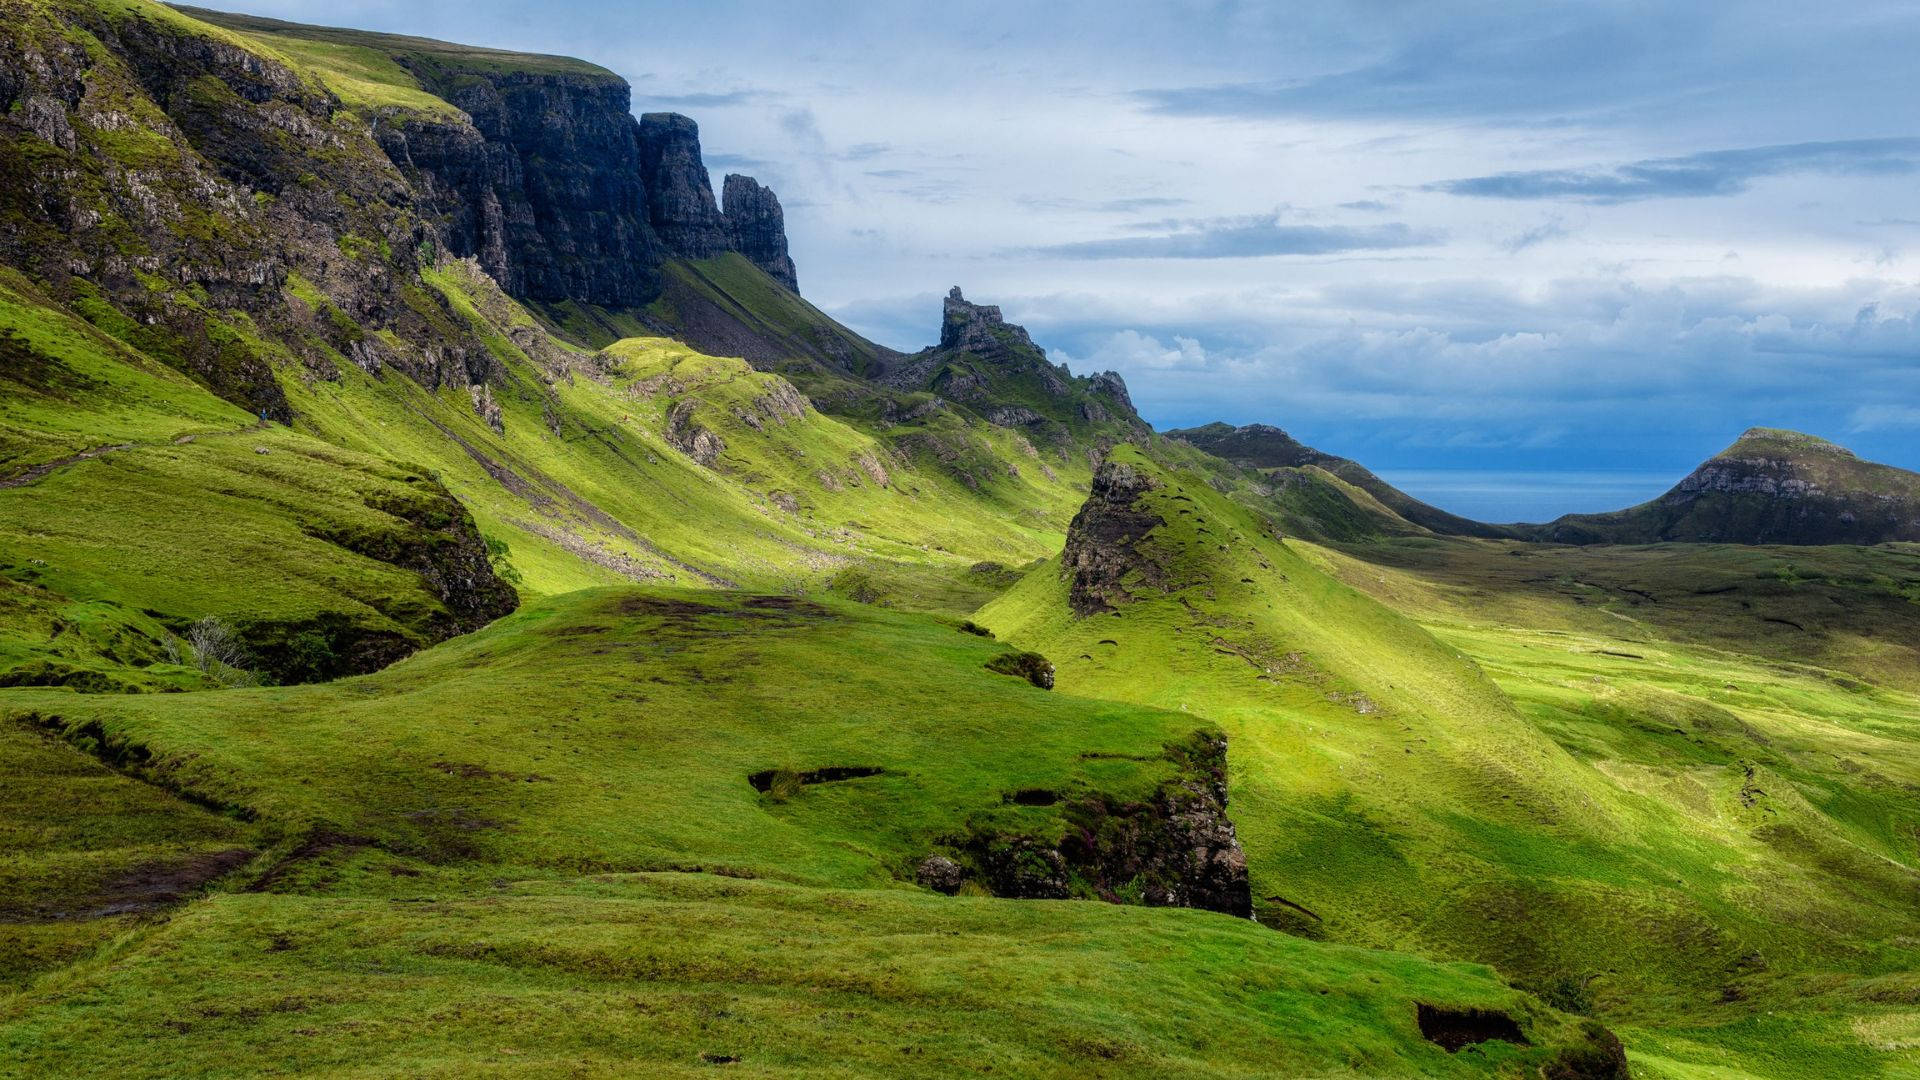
680	194
546	177
177	177
562	195
544	186
757	227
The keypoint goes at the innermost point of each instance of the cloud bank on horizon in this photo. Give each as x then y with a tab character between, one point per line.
1499	235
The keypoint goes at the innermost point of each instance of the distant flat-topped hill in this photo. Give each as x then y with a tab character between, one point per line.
1770	487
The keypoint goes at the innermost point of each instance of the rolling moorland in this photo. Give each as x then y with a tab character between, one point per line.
463	612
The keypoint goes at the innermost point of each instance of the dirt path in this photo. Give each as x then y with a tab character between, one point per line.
28	476
22	479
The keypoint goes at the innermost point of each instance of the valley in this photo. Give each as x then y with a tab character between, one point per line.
463	612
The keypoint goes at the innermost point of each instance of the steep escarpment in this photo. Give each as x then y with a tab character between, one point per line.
541	182
542	173
162	177
1770	487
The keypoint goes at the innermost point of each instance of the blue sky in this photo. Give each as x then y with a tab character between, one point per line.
1489	237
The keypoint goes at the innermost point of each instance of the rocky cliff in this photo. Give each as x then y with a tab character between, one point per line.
542	173
992	367
757	227
1770	487
680	195
541	180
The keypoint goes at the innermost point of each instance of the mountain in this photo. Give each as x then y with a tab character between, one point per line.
1293	464
463	611
1770	487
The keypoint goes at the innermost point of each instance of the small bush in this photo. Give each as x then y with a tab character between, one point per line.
498	556
310	657
1030	666
971	627
1568	994
218	652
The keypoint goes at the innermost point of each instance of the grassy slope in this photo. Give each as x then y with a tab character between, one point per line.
672	975
609	483
1444	819
81	840
1665	668
447	55
636	717
186	508
641	717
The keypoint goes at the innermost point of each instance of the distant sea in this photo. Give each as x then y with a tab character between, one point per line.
1500	496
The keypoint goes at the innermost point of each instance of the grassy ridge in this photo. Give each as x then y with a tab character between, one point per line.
1389	792
635	721
588	487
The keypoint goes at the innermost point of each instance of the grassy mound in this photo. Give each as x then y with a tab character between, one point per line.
618	734
1389	792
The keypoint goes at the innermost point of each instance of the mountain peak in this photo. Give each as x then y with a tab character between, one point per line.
1782	440
979	328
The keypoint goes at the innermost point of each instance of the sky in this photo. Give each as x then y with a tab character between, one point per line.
1457	242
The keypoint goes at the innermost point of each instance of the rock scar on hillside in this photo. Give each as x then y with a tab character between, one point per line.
1101	541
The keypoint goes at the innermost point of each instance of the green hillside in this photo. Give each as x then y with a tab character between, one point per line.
1448	790
402	826
406	669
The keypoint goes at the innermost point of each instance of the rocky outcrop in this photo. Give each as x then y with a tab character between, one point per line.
757	227
1101	541
1175	849
941	874
689	437
992	367
979	328
679	193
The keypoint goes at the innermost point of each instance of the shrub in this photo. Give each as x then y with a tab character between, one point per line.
1030	666
218	651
